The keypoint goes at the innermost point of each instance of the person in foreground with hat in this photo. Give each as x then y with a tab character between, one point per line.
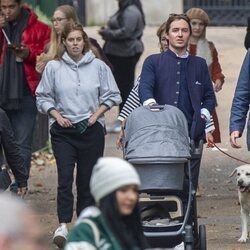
115	222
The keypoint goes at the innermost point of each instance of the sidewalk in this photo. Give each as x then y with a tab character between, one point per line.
218	207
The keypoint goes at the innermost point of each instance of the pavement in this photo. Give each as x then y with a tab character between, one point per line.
218	206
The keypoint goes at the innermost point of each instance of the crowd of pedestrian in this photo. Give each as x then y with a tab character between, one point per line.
63	73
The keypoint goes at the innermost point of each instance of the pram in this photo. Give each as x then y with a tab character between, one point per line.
157	143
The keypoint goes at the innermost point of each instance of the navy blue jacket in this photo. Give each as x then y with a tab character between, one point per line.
160	79
241	100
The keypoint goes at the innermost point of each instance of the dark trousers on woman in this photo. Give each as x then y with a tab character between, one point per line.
74	149
124	73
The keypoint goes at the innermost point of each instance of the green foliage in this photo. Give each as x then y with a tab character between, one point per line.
92	22
49	147
41	16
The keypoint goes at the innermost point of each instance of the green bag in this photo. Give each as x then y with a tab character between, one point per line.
81	126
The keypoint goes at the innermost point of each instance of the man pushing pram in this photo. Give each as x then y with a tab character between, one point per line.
181	80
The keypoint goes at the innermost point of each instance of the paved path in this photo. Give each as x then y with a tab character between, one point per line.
218	207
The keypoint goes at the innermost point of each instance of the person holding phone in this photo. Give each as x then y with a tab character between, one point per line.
18	78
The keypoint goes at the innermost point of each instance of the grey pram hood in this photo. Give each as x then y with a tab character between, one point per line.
156	136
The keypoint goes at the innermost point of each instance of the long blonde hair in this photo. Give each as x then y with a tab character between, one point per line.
55	40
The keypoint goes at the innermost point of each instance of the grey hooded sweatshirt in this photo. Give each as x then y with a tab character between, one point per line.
76	90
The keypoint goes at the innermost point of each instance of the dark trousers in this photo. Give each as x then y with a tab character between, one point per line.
195	171
74	149
124	73
23	124
195	164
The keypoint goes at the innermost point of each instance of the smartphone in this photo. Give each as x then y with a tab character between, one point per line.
14	46
11	46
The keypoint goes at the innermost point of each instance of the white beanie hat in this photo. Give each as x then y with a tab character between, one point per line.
110	174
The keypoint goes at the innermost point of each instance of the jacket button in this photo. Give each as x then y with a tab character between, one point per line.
177	92
178	63
178	72
175	102
177	82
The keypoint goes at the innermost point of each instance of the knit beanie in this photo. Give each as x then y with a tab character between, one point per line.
197	13
110	174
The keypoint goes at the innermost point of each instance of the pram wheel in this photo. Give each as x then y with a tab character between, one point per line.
202	237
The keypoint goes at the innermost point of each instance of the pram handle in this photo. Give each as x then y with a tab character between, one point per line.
157	107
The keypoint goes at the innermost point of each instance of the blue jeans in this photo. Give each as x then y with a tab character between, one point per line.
23	123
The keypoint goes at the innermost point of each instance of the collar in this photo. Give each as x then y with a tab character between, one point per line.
173	54
183	56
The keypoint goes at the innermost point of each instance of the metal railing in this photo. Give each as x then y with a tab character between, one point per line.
223	12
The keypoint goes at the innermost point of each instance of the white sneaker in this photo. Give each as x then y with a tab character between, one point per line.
115	127
60	235
179	247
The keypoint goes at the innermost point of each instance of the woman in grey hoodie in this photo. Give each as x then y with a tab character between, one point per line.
123	46
75	91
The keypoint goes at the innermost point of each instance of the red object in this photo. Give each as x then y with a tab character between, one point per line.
216	133
35	36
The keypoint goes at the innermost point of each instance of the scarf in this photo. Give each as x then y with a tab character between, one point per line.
203	50
12	78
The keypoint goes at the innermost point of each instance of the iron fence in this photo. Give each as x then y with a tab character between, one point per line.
223	12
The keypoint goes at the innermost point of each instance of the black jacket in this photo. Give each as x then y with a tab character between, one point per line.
12	151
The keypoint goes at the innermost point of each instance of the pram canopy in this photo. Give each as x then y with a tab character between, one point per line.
156	134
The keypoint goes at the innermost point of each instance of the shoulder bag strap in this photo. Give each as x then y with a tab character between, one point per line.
94	229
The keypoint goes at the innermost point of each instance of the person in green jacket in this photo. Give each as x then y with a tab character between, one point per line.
114	224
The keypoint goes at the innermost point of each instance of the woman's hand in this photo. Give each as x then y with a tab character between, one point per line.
217	85
92	119
40	67
119	140
63	122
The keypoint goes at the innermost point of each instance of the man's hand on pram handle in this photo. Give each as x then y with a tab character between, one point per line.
156	107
